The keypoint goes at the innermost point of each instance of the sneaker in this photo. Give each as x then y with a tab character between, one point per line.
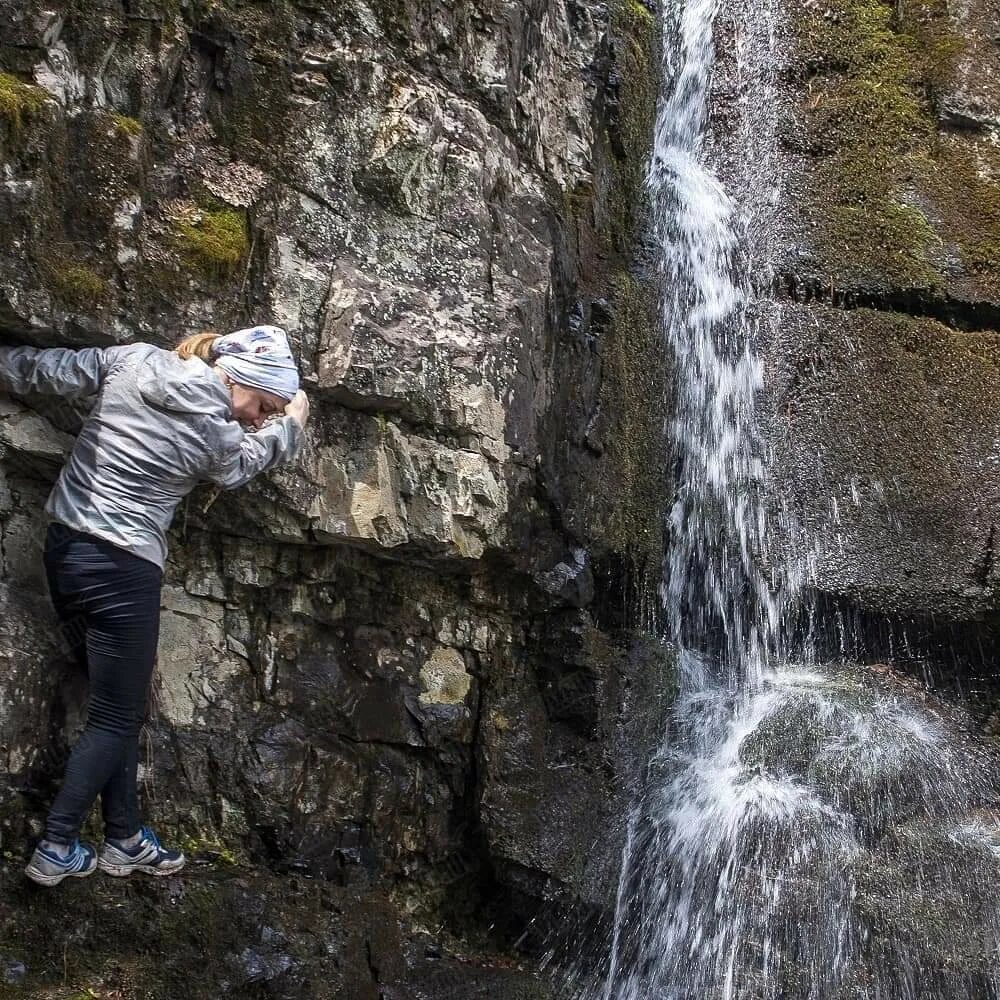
145	856
48	868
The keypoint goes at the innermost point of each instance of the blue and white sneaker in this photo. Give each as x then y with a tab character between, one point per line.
48	868
145	856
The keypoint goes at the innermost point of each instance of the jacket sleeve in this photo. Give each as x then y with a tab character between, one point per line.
250	454
59	371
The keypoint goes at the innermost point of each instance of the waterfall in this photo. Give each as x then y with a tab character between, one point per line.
809	830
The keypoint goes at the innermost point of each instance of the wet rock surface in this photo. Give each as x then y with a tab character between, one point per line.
836	830
873	184
399	672
220	930
901	511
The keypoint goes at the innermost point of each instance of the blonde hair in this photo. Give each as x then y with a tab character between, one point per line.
198	345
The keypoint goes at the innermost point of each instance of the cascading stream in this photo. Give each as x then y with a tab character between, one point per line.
809	832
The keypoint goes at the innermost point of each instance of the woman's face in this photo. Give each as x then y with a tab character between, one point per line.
251	407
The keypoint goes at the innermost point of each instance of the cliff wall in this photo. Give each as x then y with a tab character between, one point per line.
399	702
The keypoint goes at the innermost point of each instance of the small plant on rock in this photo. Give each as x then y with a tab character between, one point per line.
213	241
19	101
127	125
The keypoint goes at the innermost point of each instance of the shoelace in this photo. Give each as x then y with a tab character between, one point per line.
148	834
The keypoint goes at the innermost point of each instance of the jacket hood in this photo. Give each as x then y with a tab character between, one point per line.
190	386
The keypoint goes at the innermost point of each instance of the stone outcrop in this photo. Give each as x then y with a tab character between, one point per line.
395	679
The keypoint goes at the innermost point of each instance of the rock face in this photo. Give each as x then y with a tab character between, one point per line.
902	513
402	668
874	193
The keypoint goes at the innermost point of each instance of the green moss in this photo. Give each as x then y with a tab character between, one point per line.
963	182
75	284
870	109
121	938
19	101
213	241
637	12
131	127
626	507
605	221
635	43
633	408
880	238
209	844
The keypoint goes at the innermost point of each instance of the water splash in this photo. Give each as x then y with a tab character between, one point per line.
788	825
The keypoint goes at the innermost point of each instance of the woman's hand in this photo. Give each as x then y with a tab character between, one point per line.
298	408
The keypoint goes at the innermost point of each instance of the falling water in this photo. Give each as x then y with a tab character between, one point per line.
809	831
716	591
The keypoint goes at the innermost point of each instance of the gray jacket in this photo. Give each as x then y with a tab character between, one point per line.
159	426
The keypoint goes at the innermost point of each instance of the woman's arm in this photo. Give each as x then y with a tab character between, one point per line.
61	371
275	443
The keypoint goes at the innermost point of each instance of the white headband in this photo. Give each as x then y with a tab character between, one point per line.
260	358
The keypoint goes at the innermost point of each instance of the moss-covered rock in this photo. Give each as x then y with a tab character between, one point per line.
76	284
628	502
868	110
887	426
890	196
633	409
961	178
606	218
630	112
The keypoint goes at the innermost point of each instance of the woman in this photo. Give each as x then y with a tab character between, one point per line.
163	421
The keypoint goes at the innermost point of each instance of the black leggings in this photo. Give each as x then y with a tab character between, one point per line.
108	601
